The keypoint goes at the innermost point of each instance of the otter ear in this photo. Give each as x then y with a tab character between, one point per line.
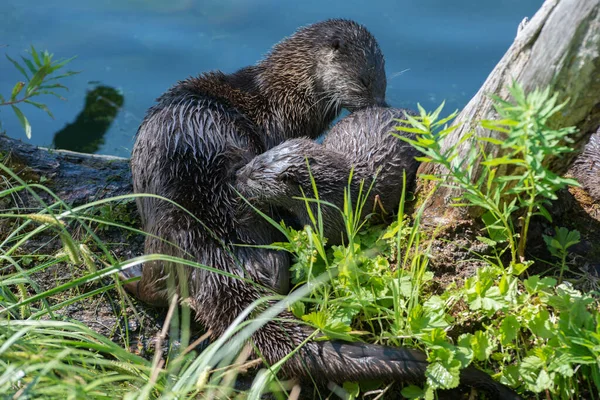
337	43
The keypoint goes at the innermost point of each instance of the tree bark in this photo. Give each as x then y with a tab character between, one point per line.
559	48
76	178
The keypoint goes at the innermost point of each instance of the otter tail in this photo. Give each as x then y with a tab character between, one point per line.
340	361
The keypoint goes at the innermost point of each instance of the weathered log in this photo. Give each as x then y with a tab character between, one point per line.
560	49
76	178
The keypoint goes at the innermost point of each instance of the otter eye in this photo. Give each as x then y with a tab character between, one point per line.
337	43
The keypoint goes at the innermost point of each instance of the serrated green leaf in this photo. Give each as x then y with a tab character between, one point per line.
534	375
440	377
23	120
541	326
482	346
317	318
518	268
298	309
464	352
562	365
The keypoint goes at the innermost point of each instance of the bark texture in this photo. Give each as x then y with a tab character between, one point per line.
559	48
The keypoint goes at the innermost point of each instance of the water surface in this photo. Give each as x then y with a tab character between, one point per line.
435	50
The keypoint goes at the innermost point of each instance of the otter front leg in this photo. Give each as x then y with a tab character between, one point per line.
151	288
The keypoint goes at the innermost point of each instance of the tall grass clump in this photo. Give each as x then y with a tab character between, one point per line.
44	353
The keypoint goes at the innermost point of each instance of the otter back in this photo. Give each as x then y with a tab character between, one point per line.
360	144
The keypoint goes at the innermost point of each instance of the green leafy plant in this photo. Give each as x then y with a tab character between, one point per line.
527	142
38	72
559	244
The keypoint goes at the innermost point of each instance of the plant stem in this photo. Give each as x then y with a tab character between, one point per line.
12	102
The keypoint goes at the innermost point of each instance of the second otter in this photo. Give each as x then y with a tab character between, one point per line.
360	143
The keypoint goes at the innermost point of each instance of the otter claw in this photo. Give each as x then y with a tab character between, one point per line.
130	273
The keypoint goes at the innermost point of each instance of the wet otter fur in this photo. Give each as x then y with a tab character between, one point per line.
360	143
586	168
190	144
188	149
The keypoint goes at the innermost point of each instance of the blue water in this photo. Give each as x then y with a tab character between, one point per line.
435	49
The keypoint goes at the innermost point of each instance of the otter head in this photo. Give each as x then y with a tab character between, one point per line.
273	178
276	181
279	176
349	65
337	61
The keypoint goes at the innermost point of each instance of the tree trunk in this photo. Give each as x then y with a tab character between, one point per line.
76	178
559	48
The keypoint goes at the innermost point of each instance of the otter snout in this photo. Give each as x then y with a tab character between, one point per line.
246	181
242	179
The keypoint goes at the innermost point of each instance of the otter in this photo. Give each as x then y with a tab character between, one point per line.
360	143
586	168
188	148
190	144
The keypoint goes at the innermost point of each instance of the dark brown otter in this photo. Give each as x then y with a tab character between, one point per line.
586	168
361	144
191	143
188	149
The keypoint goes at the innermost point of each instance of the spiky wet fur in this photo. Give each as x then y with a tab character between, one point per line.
361	142
188	149
586	167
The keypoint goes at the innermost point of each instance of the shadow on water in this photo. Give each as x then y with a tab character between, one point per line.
86	133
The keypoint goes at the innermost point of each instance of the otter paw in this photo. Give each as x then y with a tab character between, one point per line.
126	274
